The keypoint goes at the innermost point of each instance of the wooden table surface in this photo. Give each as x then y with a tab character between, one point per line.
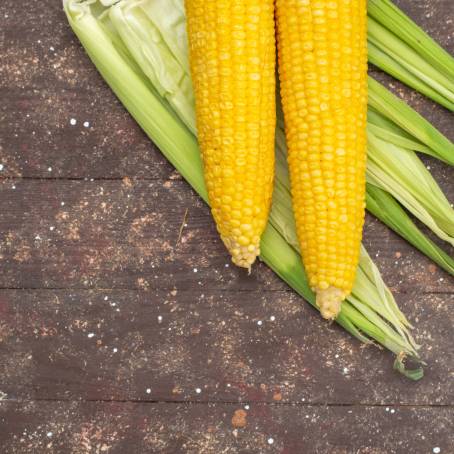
118	336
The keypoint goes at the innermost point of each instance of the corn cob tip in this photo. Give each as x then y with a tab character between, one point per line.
329	301
243	256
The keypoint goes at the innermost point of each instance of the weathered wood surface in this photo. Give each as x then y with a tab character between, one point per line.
91	259
206	345
125	234
120	428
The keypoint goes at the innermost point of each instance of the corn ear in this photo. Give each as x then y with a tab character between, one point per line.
323	84
232	56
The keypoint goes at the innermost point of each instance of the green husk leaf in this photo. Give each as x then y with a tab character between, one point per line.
400	47
401	173
134	23
390	106
383	206
384	61
410	60
396	21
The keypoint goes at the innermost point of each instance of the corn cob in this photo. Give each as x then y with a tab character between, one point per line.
232	56
322	68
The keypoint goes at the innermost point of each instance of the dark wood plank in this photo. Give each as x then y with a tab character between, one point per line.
124	234
82	427
208	345
47	80
113	234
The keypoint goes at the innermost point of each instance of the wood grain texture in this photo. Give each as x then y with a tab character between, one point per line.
116	344
125	234
117	335
83	427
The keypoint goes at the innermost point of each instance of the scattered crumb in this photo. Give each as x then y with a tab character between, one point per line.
239	418
277	396
127	182
177	389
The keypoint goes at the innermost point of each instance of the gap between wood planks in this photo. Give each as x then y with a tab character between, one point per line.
206	289
232	402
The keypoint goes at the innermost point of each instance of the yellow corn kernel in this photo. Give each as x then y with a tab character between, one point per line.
322	69
232	56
